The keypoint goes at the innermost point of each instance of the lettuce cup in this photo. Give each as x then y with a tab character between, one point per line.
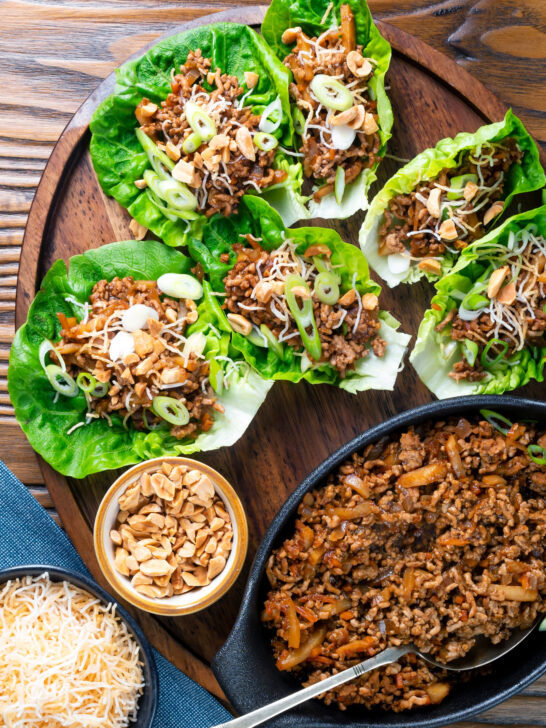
342	115
121	360
299	302
485	331
445	198
197	122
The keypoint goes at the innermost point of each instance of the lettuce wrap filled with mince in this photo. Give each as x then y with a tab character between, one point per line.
300	302
342	114
445	199
194	124
121	360
485	331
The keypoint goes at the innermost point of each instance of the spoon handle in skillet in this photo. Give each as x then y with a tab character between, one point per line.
280	706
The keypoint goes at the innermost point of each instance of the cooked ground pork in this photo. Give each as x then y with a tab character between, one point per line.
329	54
152	369
426	207
515	317
219	171
434	537
255	290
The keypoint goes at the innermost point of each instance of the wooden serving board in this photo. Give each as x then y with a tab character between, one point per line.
298	425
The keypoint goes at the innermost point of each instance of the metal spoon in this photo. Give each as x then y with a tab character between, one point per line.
481	654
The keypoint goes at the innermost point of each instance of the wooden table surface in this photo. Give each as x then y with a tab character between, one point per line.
55	53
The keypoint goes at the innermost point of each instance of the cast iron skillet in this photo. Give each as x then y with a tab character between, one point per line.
245	667
148	700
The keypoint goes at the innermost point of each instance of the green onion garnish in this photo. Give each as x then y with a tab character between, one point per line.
272	342
537	454
158	159
489	363
191	143
171	410
86	382
265	142
199	120
474	301
494	418
326	287
303	314
330	92
271	117
100	389
61	381
299	120
339	184
470	351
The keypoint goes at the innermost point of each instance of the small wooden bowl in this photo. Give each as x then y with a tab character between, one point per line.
198	598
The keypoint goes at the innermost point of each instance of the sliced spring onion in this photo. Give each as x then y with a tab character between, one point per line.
326	287
470	351
177	195
299	120
160	162
61	381
342	136
537	454
339	184
331	92
100	390
86	382
265	142
271	117
181	202
171	410
474	302
170	212
180	285
216	376
45	347
200	121
272	342
135	318
494	418
257	338
121	346
459	183
192	143
320	264
303	314
398	263
195	344
486	360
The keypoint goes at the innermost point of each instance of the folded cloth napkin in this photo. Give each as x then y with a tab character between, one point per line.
28	535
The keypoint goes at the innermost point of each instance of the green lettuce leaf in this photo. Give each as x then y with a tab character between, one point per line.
283	14
98	446
435	352
259	219
524	177
117	155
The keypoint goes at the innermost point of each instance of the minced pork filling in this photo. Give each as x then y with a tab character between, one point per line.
433	537
153	364
229	165
255	288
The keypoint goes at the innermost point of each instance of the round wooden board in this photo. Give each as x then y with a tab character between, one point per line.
298	426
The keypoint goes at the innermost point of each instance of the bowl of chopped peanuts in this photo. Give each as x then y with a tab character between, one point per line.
171	536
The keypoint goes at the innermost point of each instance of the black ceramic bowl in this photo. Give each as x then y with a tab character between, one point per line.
245	667
148	700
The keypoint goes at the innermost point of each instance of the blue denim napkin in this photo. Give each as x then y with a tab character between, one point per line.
29	536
